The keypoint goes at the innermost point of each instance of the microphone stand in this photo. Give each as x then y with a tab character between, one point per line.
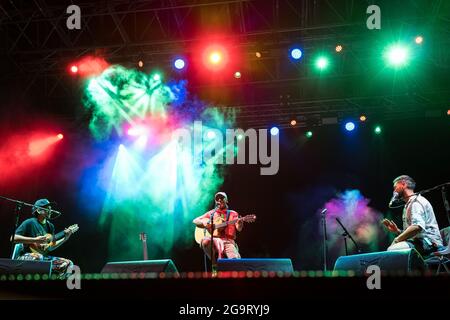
444	196
17	211
212	243
325	238
446	205
345	235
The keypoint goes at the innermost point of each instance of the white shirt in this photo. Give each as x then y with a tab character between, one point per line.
418	211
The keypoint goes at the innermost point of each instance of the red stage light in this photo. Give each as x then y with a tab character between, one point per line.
88	66
74	69
60	136
215	57
38	146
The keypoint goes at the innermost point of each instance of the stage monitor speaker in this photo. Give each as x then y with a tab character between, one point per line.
283	265
398	261
143	266
9	266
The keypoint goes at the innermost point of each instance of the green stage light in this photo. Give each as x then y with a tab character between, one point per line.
309	134
157	77
377	130
322	62
397	56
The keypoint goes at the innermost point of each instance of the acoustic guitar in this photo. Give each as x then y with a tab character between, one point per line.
219	225
51	240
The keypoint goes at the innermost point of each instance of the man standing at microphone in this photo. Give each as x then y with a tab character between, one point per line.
34	233
420	228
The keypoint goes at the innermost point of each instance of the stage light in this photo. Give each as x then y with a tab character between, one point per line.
296	53
90	66
293	122
309	134
258	54
215	57
141	142
397	55
157	77
338	48
363	118
419	39
136	131
38	146
210	135
322	63
377	129
350	126
448	112
240	136
179	63
60	136
140	63
237	75
274	131
74	69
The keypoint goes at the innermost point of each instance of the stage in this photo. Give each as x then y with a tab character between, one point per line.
294	136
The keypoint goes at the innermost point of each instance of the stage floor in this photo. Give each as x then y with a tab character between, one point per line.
188	287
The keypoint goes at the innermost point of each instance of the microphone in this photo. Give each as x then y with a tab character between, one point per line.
393	199
51	214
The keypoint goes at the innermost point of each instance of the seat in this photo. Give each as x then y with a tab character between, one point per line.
17	252
441	258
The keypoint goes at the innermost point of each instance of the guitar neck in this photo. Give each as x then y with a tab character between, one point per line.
59	236
145	252
224	224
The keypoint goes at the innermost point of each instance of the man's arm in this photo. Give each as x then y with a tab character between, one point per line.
202	221
239	223
409	233
29	240
59	242
417	223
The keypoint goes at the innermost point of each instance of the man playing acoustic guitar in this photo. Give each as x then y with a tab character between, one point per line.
38	237
226	223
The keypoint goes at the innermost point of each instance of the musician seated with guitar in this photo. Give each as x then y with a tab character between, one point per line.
226	222
38	237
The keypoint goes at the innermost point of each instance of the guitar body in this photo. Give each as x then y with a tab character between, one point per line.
43	248
200	233
46	247
220	224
